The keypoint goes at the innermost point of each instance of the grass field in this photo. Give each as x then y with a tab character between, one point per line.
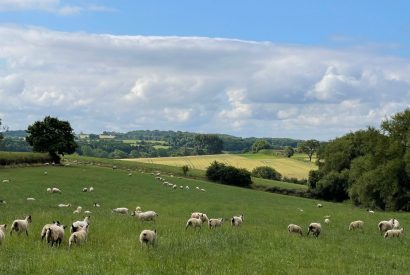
287	167
261	246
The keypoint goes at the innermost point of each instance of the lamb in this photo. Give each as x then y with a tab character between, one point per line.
78	210
148	237
47	226
202	216
237	220
356	225
2	232
21	226
61	205
84	223
394	233
214	223
55	234
315	228
120	210
194	222
78	236
386	225
145	216
294	228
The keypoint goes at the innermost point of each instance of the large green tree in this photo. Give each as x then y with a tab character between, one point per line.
260	144
53	136
309	147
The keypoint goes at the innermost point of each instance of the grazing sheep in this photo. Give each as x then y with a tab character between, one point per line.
327	221
237	220
370	211
3	202
203	190
315	228
64	205
138	208
2	232
214	223
55	234
45	173
49	190
47	226
83	223
96	204
386	225
129	174
85	189
396	224
31	199
87	212
294	228
394	233
20	226
91	189
55	190
148	237
198	215
197	188
78	236
319	205
300	209
187	187
145	216
194	223
356	225
78	210
120	210
327	217
5	181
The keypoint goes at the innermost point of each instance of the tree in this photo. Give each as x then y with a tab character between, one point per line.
289	151
53	136
266	172
259	145
209	144
185	169
309	147
229	175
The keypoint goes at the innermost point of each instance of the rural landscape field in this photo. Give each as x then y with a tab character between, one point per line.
261	245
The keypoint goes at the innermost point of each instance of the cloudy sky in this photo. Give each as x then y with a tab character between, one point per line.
305	69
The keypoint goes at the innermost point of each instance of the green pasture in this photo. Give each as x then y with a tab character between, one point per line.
261	246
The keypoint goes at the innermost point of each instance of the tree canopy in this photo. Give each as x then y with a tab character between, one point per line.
309	147
53	136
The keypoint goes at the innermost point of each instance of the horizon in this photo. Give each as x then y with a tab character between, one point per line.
247	69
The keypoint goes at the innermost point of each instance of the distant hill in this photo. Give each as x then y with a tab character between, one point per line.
15	134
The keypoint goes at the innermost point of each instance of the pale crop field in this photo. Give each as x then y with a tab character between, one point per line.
261	245
287	167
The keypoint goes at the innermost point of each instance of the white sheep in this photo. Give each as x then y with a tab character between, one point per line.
5	181
145	216
20	226
78	210
315	228
396	224
31	199
78	236
370	211
55	190
84	223
294	228
198	215
319	205
148	237
203	190
386	225
87	212
237	220
85	189
91	189
55	234
49	190
61	205
187	187
47	226
138	208
120	210
194	223
2	232
356	225
327	221
96	204
394	233
214	223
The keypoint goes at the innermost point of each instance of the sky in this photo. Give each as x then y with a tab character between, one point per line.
297	69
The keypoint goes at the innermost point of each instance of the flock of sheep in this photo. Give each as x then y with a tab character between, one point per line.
390	228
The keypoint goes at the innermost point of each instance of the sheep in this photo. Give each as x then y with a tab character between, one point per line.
45	173
214	223
5	181
61	205
319	205
96	204
237	220
78	210
91	189
370	211
300	209
129	174
187	187
394	233
138	208
49	190
85	189
78	236
198	215
47	226
3	202
356	225
21	226
145	216
148	237
386	225
396	224
87	212
203	190
55	190
327	221
31	199
84	223
294	228
194	223
2	232
55	234
120	210
315	228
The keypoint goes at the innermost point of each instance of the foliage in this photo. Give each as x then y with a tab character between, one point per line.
53	136
289	151
266	172
259	145
229	175
309	147
15	158
208	144
185	169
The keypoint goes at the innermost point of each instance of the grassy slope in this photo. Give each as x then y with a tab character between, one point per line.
261	246
285	166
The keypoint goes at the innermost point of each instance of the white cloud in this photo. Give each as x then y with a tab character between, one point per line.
107	82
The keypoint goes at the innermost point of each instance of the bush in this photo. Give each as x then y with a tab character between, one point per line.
229	175
13	158
266	172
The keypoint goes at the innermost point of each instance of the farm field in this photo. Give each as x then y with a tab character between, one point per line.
261	246
287	167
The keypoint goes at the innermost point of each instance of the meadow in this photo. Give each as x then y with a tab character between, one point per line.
286	166
261	246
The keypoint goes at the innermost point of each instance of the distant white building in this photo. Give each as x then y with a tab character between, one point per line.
83	136
106	137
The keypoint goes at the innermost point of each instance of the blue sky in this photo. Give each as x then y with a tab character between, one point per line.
247	68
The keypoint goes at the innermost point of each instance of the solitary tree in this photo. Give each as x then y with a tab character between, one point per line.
53	136
289	151
185	169
309	147
259	145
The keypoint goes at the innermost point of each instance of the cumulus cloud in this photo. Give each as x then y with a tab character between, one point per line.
245	88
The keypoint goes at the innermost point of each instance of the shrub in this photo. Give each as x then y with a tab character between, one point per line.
266	172
13	158
229	175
